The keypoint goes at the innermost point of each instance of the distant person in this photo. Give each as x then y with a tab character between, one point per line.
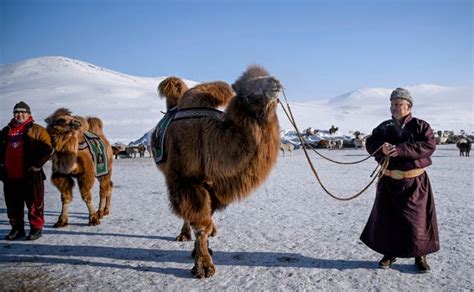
24	148
403	218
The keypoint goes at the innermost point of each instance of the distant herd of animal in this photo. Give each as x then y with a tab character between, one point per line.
463	143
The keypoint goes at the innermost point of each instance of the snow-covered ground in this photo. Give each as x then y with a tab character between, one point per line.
289	235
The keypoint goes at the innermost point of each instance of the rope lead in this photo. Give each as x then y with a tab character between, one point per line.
381	167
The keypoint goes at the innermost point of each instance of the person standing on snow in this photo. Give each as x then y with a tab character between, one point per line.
24	149
403	218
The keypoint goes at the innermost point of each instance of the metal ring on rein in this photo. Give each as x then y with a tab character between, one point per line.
381	167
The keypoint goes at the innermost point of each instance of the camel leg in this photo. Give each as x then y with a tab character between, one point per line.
108	197
64	184
214	229
85	186
212	233
203	265
185	234
105	191
192	201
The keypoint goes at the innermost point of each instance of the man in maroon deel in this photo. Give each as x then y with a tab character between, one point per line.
403	219
24	148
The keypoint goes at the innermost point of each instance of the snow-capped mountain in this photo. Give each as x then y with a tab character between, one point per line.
130	106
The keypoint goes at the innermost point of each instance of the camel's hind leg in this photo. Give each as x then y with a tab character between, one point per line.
85	186
106	186
64	184
185	234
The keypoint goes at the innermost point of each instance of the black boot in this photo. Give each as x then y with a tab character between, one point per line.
34	234
387	261
422	265
15	234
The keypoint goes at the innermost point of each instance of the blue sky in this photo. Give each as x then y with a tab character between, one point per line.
318	49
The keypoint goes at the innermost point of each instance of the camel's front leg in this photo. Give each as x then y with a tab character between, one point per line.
85	186
212	233
66	199
64	184
203	265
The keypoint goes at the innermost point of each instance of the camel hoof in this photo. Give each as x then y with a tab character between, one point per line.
106	212
60	224
205	271
100	214
183	237
214	232
93	221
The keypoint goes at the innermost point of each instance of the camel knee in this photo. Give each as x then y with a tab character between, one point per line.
62	182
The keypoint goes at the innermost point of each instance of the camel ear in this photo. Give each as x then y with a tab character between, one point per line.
239	89
48	120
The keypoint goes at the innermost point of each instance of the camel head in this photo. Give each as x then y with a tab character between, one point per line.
62	126
257	88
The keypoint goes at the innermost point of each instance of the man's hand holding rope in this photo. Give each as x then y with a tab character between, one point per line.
390	150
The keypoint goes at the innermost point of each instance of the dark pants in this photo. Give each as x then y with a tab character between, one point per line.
19	193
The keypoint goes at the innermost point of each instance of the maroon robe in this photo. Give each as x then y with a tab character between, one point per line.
403	219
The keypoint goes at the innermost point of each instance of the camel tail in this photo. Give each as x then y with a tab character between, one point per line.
172	89
95	125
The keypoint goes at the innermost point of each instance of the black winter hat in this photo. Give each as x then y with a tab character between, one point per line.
21	107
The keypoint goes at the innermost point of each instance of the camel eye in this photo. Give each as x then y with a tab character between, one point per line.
60	121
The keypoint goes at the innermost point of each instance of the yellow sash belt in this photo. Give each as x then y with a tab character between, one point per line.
400	174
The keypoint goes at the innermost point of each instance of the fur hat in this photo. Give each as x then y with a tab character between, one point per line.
401	93
21	107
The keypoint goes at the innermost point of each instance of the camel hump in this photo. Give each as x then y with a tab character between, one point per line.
172	89
95	125
211	94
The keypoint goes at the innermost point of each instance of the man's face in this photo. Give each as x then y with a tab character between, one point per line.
21	117
400	108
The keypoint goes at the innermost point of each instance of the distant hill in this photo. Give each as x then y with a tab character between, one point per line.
130	106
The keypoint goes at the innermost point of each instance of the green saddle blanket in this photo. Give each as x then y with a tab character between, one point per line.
175	114
159	133
99	153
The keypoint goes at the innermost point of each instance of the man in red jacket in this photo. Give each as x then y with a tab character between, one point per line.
24	148
403	219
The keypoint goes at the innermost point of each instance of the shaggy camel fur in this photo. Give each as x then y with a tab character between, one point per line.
214	161
71	161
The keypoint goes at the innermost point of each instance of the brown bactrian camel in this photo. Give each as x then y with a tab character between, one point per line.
214	160
72	158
